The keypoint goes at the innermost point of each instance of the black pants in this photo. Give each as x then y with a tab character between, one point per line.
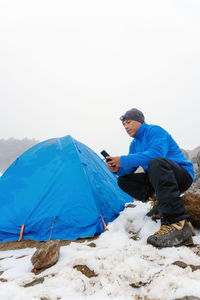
168	180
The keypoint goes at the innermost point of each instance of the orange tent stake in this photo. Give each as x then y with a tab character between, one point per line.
21	232
104	224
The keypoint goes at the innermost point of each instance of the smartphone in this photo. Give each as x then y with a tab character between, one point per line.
105	154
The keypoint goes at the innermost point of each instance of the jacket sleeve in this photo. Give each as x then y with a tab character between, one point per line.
122	171
158	147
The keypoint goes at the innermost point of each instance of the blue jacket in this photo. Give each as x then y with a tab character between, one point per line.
152	141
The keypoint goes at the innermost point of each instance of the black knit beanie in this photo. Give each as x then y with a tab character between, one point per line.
133	114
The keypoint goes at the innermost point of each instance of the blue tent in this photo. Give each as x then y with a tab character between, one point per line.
58	189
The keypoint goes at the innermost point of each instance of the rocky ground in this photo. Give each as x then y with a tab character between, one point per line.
118	264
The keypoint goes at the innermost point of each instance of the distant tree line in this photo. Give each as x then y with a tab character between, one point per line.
11	149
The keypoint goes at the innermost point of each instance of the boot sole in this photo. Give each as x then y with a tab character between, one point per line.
188	243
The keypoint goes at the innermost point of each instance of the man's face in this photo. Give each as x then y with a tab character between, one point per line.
131	127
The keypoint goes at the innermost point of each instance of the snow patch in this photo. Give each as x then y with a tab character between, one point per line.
126	266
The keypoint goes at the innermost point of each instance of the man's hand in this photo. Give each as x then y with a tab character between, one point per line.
113	163
113	169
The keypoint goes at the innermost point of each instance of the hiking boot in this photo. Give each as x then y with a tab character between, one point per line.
176	234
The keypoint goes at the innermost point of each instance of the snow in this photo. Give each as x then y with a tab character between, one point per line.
117	259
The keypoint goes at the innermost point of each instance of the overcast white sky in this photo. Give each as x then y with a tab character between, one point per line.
74	67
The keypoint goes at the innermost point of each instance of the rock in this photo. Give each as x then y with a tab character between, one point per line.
3	280
130	205
180	264
134	237
34	282
185	153
192	207
92	245
183	265
38	280
196	250
22	256
85	271
188	298
137	285
195	187
47	255
198	159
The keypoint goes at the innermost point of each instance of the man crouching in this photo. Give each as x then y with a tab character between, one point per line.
168	173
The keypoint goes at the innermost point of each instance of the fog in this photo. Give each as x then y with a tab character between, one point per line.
74	67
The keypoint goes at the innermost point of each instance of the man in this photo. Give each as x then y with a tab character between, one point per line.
167	173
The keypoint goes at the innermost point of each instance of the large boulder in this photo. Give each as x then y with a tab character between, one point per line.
192	207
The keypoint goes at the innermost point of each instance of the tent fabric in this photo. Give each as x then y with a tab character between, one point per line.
59	188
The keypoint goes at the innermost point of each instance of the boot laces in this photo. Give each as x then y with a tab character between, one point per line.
164	229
